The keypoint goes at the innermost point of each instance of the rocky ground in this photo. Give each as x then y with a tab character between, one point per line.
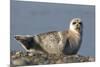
21	58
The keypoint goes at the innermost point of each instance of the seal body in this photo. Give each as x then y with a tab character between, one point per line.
55	42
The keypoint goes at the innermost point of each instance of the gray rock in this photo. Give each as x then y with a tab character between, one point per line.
20	59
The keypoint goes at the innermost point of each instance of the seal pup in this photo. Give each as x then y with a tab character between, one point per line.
55	42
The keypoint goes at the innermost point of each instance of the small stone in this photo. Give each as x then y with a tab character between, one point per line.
91	59
59	62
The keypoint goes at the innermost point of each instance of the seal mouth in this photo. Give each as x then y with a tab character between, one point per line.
78	27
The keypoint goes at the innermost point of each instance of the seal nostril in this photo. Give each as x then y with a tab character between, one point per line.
78	25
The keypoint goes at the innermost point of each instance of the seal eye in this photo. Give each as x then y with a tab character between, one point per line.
80	23
74	23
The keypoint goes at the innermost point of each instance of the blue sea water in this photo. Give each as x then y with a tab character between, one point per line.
31	18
